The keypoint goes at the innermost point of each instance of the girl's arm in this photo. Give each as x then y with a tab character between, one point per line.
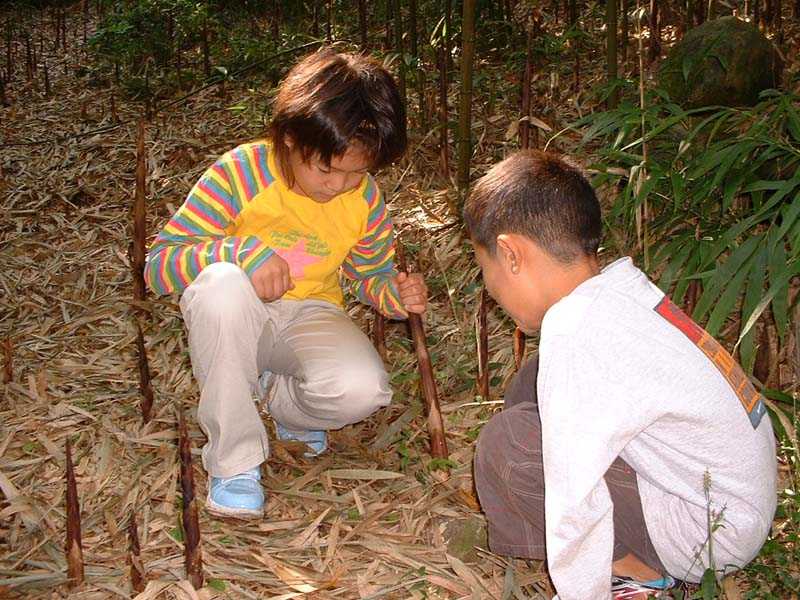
370	264
195	235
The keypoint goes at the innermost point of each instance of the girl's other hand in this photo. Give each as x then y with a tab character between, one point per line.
272	280
413	292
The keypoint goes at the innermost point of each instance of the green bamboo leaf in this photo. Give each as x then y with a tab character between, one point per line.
754	293
792	122
724	273
774	287
778	268
684	247
789	216
732	290
691	264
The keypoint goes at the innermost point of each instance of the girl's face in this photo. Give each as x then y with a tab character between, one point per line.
322	182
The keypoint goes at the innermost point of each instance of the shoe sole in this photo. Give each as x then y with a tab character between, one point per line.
234	513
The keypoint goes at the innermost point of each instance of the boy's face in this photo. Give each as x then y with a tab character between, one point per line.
516	284
322	182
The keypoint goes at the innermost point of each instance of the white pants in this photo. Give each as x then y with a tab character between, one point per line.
327	373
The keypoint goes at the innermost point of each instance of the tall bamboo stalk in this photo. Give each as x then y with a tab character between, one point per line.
362	24
465	97
420	71
611	51
329	21
429	391
641	210
398	47
624	33
193	558
527	76
655	31
73	547
444	147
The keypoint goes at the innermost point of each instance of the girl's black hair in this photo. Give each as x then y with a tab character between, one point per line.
330	100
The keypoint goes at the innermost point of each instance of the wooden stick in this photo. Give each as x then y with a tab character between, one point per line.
145	385
138	578
8	360
430	394
483	347
519	347
379	334
139	216
193	559
73	546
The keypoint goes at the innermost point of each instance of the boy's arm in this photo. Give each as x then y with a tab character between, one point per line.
583	432
195	235
370	263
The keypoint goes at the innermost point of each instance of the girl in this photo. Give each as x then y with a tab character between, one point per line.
257	249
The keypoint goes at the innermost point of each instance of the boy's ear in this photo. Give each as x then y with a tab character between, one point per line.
289	141
509	252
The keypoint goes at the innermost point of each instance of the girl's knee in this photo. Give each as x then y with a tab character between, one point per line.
221	292
354	392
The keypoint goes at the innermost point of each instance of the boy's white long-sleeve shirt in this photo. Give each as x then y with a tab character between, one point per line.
624	373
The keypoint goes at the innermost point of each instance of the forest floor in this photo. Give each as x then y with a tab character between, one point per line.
369	519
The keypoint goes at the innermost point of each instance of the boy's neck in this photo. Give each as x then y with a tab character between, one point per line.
571	277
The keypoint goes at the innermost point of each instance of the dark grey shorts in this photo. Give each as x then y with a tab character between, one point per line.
510	482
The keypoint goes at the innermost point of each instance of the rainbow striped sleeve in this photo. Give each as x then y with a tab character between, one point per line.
370	263
195	235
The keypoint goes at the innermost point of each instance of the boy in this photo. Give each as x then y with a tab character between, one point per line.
638	427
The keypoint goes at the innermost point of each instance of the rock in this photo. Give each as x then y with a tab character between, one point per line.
462	536
722	62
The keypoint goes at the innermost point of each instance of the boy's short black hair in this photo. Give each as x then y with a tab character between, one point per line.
541	196
330	100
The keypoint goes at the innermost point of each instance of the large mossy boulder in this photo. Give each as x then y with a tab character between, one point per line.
723	62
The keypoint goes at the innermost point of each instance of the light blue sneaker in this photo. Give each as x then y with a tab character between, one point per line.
240	496
316	440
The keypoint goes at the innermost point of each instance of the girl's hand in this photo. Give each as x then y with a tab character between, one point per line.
413	292
272	280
